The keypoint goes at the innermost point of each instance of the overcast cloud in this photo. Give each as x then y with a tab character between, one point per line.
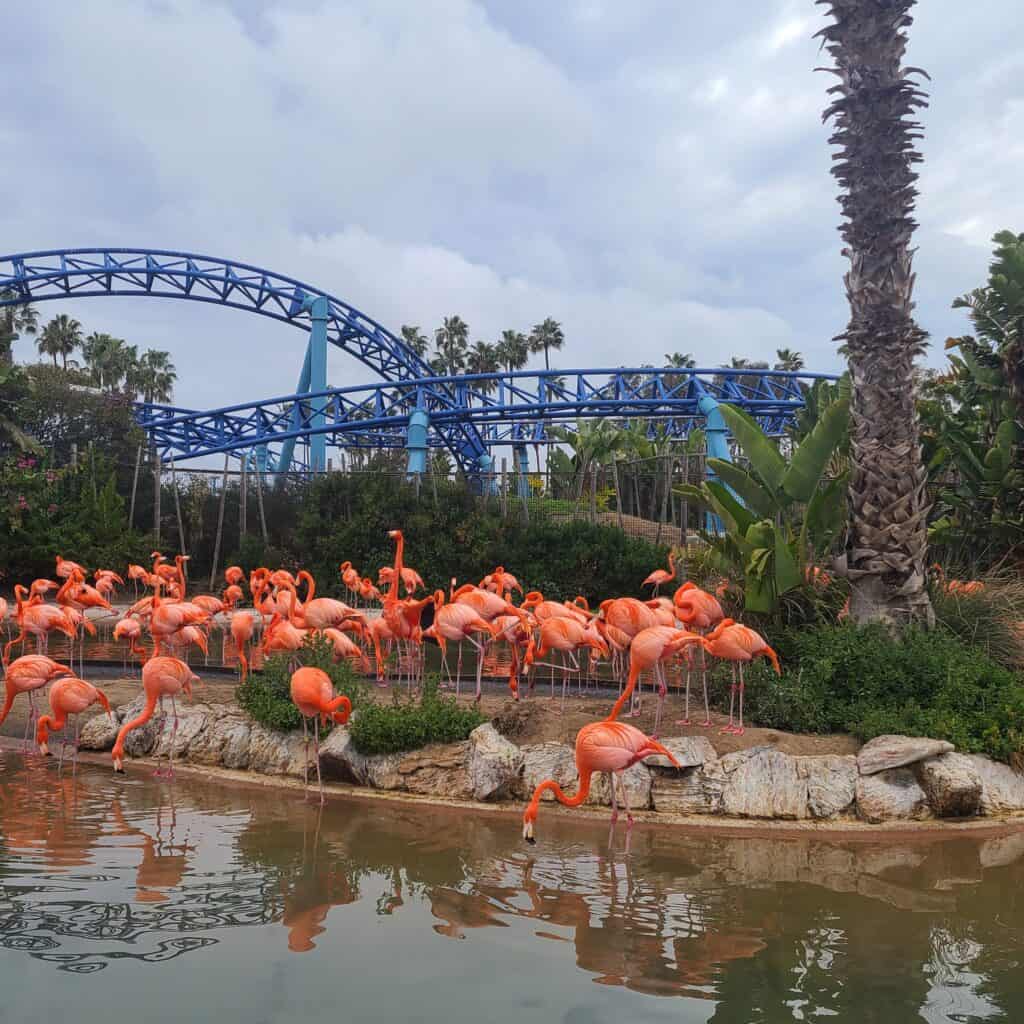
654	179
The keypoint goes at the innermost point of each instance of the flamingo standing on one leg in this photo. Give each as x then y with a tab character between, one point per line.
604	746
161	677
660	577
313	694
738	644
70	696
27	674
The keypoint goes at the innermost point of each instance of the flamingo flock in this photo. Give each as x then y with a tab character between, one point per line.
638	638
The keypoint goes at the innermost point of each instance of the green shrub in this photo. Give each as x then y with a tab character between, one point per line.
863	681
408	724
266	695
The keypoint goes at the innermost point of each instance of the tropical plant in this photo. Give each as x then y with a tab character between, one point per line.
788	360
415	339
872	104
60	337
779	519
451	340
14	322
110	361
592	442
546	336
152	376
513	350
483	358
997	310
15	387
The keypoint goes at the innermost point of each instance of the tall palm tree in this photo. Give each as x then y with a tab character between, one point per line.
682	360
513	350
483	358
60	337
545	336
873	102
153	376
451	340
788	360
415	339
14	322
109	360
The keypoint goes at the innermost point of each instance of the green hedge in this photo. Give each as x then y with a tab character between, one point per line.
863	681
408	724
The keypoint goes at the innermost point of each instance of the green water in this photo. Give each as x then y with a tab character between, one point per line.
138	900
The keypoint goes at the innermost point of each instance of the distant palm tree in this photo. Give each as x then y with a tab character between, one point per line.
545	336
415	339
14	322
451	340
108	359
153	376
513	350
682	360
60	337
788	360
483	358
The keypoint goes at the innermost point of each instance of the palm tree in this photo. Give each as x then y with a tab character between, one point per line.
108	359
60	337
513	350
483	358
14	322
544	336
451	340
415	339
873	102
788	360
682	360
153	376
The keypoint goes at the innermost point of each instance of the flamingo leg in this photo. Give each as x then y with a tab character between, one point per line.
170	746
685	720
63	746
74	762
316	750
739	730
732	702
305	755
704	680
659	672
615	803
479	667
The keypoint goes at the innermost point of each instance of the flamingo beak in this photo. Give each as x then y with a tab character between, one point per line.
528	833
44	750
118	766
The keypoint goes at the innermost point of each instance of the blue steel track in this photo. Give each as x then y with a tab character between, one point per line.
410	407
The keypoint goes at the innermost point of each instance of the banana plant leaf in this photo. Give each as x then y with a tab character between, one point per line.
764	457
810	459
749	491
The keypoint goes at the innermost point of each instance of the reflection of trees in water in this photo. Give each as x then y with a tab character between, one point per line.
770	928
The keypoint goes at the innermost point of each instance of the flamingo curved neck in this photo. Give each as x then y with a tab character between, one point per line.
566	801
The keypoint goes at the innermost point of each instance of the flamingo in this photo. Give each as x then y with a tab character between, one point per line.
169	617
649	648
458	622
27	674
344	647
65	567
541	610
699	611
411	579
161	677
605	746
241	633
233	575
567	636
231	596
70	696
313	694
738	644
660	577
38	619
130	629
515	630
350	577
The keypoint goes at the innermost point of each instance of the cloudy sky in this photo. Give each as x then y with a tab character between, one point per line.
655	179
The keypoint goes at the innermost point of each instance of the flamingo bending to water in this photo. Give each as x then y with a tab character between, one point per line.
604	746
70	696
27	674
738	644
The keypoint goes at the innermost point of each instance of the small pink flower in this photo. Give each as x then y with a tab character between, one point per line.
50	476
51	509
23	505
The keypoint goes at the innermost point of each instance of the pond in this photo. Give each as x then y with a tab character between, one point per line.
202	900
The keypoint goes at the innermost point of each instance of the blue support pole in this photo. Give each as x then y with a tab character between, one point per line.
416	441
284	461
485	467
319	311
523	470
717	437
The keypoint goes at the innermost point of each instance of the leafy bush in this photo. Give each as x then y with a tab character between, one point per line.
990	619
408	724
863	681
266	695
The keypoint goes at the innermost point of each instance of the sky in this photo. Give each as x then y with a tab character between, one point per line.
655	178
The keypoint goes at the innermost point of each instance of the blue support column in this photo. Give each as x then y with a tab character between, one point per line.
319	311
416	441
523	470
284	461
485	467
717	438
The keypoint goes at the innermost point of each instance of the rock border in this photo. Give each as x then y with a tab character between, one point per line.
892	779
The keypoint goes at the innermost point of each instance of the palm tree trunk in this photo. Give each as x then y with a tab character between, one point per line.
874	99
547	365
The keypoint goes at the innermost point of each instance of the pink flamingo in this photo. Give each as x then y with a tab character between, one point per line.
738	644
566	636
313	694
659	577
68	697
161	677
27	674
241	633
457	622
699	611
